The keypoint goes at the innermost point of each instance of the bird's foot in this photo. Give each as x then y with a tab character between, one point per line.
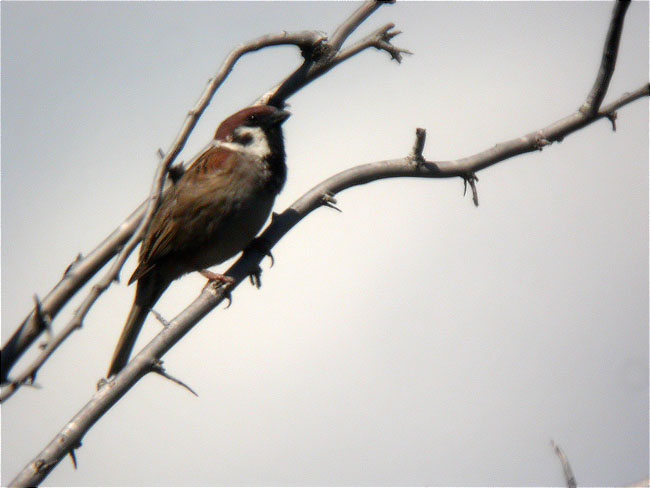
214	277
219	279
262	245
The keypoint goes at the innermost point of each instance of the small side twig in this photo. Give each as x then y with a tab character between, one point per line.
418	146
566	467
379	39
329	200
608	61
160	318
160	370
355	20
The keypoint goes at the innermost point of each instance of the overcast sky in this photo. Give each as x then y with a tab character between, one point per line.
412	339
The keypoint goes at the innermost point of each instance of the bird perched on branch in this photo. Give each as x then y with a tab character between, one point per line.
212	211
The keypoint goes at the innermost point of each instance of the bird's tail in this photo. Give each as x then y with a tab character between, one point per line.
146	296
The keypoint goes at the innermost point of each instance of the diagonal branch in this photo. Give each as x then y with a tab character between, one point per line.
356	19
380	39
608	62
149	357
328	54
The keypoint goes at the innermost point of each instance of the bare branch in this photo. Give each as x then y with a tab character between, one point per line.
76	275
110	392
380	39
566	467
608	62
356	19
324	56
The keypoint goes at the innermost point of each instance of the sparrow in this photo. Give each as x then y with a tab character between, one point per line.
211	212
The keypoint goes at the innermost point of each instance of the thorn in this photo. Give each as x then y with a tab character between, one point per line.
72	264
158	368
540	142
41	465
612	116
418	147
101	383
161	153
44	320
328	200
30	381
471	178
73	457
395	52
160	318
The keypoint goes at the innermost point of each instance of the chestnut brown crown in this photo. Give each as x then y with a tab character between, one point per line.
266	117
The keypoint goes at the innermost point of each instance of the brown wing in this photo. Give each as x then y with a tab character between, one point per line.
188	210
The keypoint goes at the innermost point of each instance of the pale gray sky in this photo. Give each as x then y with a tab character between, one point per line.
412	339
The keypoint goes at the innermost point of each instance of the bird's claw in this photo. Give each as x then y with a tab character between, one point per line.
217	277
256	277
218	280
262	245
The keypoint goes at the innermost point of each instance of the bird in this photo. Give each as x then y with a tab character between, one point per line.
211	211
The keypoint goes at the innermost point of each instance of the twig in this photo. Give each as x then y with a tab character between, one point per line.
159	369
354	21
379	39
280	225
608	61
566	467
418	146
327	55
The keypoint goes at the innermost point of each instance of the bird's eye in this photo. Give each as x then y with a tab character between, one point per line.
243	139
252	118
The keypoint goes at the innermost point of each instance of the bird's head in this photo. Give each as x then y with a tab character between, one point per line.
257	132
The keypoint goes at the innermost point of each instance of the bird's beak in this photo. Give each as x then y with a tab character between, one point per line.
279	116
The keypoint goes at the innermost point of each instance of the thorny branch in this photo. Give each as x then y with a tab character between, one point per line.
124	239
